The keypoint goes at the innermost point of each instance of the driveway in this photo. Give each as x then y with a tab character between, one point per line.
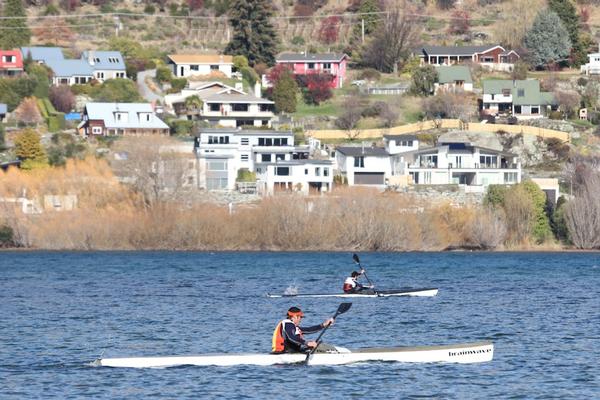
144	90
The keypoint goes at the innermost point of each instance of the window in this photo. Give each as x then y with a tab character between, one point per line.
120	74
505	92
194	68
268	142
282	171
8	59
488	161
216	183
266	107
493	96
305	171
535	110
277	142
325	171
359	162
223	139
215	107
97	130
214	67
317	171
280	157
217	166
96	59
239	107
244	157
265	158
488	59
517	109
326	66
261	141
520	92
245	141
284	141
510	177
311	65
100	75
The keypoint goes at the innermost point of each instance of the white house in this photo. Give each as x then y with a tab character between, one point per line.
363	165
593	66
395	144
121	119
457	161
520	98
105	64
186	65
224	105
278	163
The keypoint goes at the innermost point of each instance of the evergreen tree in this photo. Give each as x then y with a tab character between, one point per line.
369	7
15	32
547	40
541	224
2	138
423	80
568	15
253	34
285	92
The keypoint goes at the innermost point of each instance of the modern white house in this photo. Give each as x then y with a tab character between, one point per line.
593	66
186	65
520	98
272	155
458	162
395	144
363	165
223	105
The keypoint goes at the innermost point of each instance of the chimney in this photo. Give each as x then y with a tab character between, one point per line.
257	90
239	86
91	57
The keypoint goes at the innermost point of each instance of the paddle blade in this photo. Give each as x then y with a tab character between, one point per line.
355	258
343	308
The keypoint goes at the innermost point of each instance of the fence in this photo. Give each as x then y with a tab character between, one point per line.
444	123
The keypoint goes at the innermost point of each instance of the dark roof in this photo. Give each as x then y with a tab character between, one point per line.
357	151
456	50
407	136
312	57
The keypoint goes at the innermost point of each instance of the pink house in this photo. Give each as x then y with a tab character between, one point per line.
326	63
11	62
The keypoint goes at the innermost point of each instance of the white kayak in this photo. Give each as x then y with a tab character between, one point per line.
413	292
458	353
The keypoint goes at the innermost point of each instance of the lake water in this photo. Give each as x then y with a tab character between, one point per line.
59	311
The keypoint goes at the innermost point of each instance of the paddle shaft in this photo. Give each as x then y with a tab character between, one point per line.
341	309
357	260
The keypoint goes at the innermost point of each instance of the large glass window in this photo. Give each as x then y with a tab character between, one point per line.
217	166
510	177
282	171
239	107
216	183
265	157
359	162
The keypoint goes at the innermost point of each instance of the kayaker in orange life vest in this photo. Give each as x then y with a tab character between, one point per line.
351	284
288	336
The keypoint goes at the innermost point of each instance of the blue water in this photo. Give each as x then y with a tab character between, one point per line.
59	311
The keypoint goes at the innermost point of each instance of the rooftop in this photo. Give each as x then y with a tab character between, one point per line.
311	57
201	59
450	74
357	151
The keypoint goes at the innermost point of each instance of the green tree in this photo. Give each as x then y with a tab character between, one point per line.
547	40
15	32
568	15
193	103
2	138
423	80
371	19
285	93
240	62
253	34
495	195
541	224
40	75
29	149
116	91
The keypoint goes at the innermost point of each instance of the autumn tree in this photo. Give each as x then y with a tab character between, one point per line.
460	23
285	92
29	150
350	116
458	105
58	33
569	101
253	33
28	112
195	5
397	35
316	88
13	27
547	40
62	98
329	29
277	71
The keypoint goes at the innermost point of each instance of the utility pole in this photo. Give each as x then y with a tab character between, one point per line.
362	29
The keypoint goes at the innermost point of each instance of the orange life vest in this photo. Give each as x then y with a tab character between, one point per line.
278	345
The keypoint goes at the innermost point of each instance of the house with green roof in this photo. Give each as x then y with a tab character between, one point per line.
453	78
520	98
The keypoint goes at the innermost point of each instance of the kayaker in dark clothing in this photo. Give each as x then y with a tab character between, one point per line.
351	284
288	336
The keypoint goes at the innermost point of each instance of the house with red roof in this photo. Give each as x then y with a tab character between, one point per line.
325	63
11	63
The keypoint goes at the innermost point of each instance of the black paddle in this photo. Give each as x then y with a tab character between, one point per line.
341	309
357	260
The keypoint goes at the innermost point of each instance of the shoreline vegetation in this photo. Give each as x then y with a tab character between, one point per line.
113	216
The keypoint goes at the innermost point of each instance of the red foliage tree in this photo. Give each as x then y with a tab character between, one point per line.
460	23
329	30
62	98
275	72
195	4
70	5
584	17
316	87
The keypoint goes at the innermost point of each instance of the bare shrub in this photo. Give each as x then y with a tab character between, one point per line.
487	229
520	219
